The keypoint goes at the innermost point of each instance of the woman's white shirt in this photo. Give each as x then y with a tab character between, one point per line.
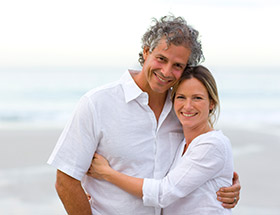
191	185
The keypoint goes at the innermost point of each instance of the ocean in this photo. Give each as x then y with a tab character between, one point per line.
47	96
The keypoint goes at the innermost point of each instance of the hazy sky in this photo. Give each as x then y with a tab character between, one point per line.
108	32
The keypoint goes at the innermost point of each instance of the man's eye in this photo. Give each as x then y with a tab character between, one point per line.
179	66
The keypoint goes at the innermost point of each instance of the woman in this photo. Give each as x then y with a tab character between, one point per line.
204	161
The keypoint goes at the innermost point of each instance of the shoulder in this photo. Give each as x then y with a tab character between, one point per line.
215	140
107	93
99	96
110	88
216	137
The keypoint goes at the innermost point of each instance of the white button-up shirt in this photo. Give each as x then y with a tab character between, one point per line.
116	122
191	185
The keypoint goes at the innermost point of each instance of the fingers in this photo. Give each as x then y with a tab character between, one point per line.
90	171
229	206
236	182
235	188
88	196
229	203
235	176
228	199
97	156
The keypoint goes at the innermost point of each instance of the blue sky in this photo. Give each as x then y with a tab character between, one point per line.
100	33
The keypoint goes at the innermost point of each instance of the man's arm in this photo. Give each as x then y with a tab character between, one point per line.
229	196
72	195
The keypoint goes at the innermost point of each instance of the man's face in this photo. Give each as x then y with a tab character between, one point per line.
164	66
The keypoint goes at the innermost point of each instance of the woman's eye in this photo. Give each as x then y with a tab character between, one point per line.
180	97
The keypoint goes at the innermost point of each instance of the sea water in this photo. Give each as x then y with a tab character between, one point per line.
47	96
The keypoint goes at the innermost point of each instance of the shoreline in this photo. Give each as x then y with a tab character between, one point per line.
23	170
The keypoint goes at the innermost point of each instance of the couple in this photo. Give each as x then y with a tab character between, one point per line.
133	125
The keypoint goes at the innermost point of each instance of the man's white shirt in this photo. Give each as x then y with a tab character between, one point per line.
115	121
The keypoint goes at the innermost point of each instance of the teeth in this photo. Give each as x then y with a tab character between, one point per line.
162	79
188	115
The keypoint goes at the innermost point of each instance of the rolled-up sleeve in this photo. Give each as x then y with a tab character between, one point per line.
151	192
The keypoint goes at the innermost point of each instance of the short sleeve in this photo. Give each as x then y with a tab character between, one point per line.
75	148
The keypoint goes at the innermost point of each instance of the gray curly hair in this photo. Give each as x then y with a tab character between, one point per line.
177	32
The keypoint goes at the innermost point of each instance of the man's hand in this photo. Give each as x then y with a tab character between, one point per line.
230	195
72	195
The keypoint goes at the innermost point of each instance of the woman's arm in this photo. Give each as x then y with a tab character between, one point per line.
204	162
196	169
100	169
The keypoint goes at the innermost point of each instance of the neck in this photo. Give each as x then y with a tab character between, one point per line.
156	100
191	133
156	103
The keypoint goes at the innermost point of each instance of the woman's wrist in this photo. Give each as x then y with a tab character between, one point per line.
109	174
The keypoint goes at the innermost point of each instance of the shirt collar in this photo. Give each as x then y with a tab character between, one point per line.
130	88
132	91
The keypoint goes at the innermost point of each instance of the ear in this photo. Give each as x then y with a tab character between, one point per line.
146	52
211	106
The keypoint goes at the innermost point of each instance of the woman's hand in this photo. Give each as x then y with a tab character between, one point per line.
99	167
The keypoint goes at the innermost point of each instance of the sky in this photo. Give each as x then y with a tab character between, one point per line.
108	32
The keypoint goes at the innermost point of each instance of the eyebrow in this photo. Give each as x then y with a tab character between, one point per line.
162	56
196	94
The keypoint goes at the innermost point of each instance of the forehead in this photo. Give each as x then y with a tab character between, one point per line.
176	52
164	46
193	86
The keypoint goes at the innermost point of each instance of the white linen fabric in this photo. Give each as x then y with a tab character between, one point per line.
116	122
191	185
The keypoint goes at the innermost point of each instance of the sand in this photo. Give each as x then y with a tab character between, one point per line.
256	159
27	182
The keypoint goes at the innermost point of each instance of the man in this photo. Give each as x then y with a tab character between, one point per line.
130	123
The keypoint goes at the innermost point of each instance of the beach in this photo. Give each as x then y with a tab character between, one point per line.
256	158
27	182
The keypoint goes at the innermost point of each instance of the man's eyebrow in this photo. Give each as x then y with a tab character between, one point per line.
161	55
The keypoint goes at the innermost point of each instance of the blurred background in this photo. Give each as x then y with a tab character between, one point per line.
52	52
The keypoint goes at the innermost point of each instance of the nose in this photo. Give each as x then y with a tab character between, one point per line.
167	70
188	104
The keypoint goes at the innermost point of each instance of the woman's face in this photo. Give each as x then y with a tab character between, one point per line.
192	104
